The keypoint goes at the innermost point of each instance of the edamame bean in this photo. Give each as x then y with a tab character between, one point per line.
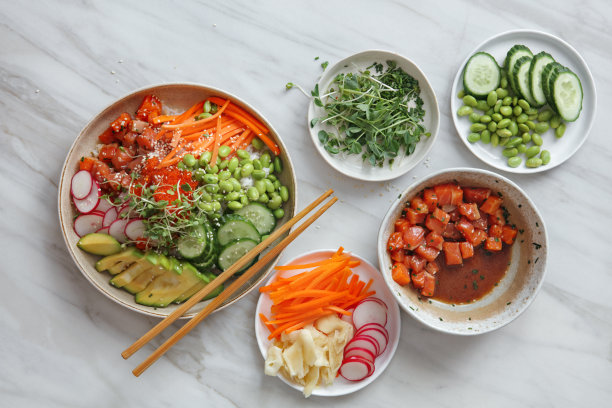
275	202
507	101
237	173
531	111
530	124
513	128
469	100
482	105
206	207
223	164
533	162
278	213
236	184
260	185
503	133
545	115
216	206
492	98
497	106
492	127
204	158
257	143
464	110
284	193
504	82
461	94
180	165
504	123
501	93
541	127
265	159
217	197
526	136
505	110
496	117
514	161
523	127
204	196
537	139
233	196
211	178
224	175
224	151
533	117
522	118
532	151
277	185
503	141
555	121
515	141
545	156
278	165
211	188
473	137
489	112
510	151
514	101
485	119
494	140
258	174
226	186
252	193
207	106
269	186
247	170
485	136
477	127
234	205
243	154
203	115
517	110
233	164
189	160
198	175
244	200
212	170
560	131
263	198
272	177
522	148
245	161
257	164
524	104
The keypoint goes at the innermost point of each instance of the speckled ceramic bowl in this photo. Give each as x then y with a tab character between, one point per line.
517	288
177	97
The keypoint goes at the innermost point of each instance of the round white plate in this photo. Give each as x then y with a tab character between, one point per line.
576	132
353	165
366	271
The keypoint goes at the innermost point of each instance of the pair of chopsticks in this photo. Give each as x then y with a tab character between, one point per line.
215	302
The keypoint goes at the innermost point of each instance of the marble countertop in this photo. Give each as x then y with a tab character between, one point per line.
61	62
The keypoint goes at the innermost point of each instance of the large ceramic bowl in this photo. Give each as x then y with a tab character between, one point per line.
516	290
176	97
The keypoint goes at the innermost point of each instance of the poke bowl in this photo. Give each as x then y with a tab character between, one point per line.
227	141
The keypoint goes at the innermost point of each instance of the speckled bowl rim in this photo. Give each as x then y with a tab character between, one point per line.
65	178
412	308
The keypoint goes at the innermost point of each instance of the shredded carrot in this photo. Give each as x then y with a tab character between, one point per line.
215	152
192	127
242	112
189	112
271	145
325	287
163	118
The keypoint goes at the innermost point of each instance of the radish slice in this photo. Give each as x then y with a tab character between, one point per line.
110	216
86	224
81	184
365	342
89	203
367	337
378	335
103	230
356	369
135	230
360	352
117	230
374	325
348	319
375	299
125	212
104	205
369	312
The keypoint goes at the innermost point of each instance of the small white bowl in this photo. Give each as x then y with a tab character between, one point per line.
352	165
517	288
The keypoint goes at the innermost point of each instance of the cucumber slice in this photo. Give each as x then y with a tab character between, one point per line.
194	244
236	227
521	78
512	56
566	92
481	74
234	251
547	73
260	216
538	63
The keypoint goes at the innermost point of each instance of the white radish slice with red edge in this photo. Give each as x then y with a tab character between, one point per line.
135	230
360	352
356	369
375	299
109	216
104	205
365	342
378	335
89	203
117	230
377	345
103	230
81	184
87	223
369	312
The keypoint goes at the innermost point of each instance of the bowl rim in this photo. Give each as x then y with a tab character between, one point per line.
147	310
382	251
457	79
434	132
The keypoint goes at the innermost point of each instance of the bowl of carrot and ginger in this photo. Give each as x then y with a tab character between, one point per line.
463	251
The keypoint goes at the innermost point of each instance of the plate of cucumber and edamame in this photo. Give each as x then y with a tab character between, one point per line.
550	140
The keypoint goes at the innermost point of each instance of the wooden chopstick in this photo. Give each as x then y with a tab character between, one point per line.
161	350
167	321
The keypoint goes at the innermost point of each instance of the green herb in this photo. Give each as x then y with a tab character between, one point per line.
474	271
536	245
440	319
507	304
289	85
324	65
378	115
482	277
316	58
475	285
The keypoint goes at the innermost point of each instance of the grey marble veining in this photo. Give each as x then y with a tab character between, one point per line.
63	61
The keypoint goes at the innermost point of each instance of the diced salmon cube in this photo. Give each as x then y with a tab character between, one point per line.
429	285
469	210
400	274
417	263
475	194
491	205
418	279
467	250
508	234
418	205
430	198
428	253
452	253
432	267
493	244
414	236
434	240
414	217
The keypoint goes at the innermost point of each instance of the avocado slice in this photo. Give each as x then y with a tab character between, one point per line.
118	262
99	244
167	287
143	279
131	273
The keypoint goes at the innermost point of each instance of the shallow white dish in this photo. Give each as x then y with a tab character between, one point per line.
352	165
366	271
515	291
576	132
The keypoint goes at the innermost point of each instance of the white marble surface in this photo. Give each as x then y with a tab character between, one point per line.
61	62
